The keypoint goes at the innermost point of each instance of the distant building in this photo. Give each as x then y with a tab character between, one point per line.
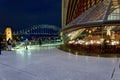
8	32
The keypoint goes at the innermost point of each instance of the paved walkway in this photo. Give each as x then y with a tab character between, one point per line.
49	63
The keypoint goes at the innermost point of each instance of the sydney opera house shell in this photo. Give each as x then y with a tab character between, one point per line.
91	22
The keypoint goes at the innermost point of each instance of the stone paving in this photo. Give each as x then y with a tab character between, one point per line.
50	63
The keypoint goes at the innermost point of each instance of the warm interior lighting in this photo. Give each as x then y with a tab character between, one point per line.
8	32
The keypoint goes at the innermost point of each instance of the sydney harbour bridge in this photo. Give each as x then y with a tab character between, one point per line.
38	31
35	31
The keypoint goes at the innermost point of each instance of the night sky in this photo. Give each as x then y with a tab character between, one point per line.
22	13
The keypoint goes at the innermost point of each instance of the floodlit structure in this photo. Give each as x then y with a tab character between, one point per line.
71	9
96	24
8	32
101	18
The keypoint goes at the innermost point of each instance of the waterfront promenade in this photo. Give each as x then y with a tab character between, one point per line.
50	63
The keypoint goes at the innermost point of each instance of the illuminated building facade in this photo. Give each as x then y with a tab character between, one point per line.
92	23
8	32
71	9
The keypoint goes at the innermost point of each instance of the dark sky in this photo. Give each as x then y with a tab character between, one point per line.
22	13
